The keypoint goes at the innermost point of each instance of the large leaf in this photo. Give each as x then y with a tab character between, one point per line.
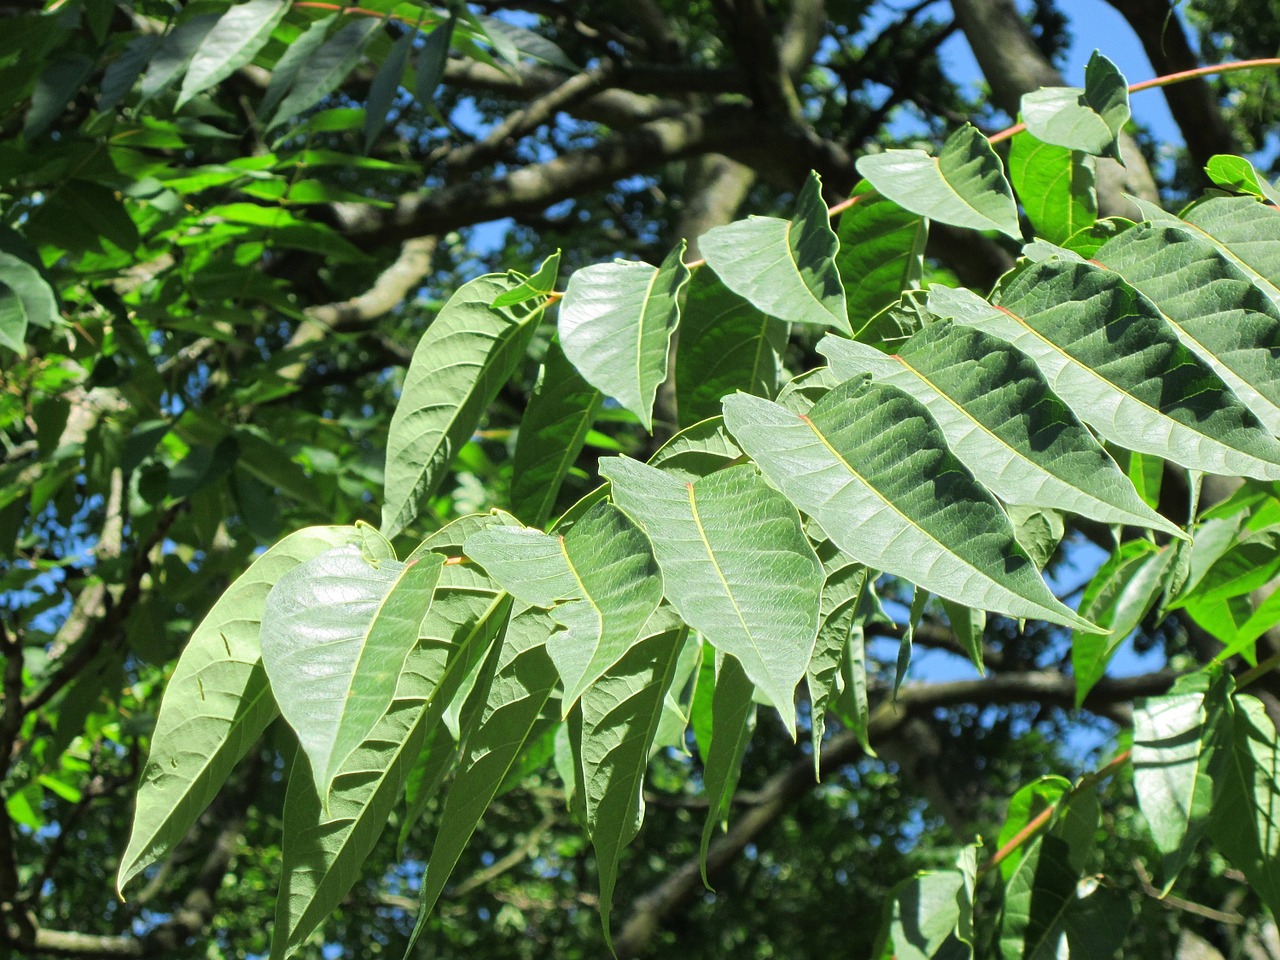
726	344
1241	229
732	723
963	186
335	634
615	325
459	365
871	466
518	689
697	451
327	67
1090	119
784	267
736	565
1107	352
1179	745
35	298
1003	422
1245	823
612	735
881	254
215	707
599	580
1217	310
174	53
552	433
1055	185
234	40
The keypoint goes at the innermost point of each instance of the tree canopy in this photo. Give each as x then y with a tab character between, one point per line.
552	478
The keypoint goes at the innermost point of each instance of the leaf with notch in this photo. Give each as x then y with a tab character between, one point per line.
1090	119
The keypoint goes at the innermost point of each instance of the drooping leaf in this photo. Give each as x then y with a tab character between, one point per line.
842	588
123	72
615	727
871	466
1112	358
335	634
615	326
732	723
57	84
881	254
677	703
1024	806
459	365
1090	119
519	687
736	565
1002	421
386	82
726	344
968	625
431	59
552	432
1133	591
1245	823
1238	174
323	70
599	580
1179	746
13	319
786	268
1215	308
216	705
34	296
234	40
963	186
1055	185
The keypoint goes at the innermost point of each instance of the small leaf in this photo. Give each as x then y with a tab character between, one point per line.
786	268
541	284
600	582
468	352
869	464
842	589
386	82
215	707
726	345
697	451
335	634
1238	174
123	72
736	565
234	40
1055	185
560	413
1090	119
431	60
615	325
732	722
57	84
291	62
326	68
964	186
13	320
881	254
173	55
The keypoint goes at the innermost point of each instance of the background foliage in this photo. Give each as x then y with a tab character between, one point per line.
226	229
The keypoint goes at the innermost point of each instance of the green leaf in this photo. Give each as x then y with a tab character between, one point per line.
736	564
382	91
57	84
1055	185
326	68
842	589
726	344
1179	746
13	320
234	40
1112	358
969	626
678	701
871	466
1245	823
881	254
1214	307
467	354
732	722
697	451
615	325
1090	119
599	580
34	296
215	707
291	62
786	268
1242	230
1002	421
519	687
923	916
173	55
123	72
552	432
963	186
1238	174
431	60
1135	587
541	284
335	634
614	730
1024	806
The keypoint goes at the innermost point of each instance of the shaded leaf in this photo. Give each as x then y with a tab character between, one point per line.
386	82
732	723
327	67
881	254
1055	186
291	62
234	40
